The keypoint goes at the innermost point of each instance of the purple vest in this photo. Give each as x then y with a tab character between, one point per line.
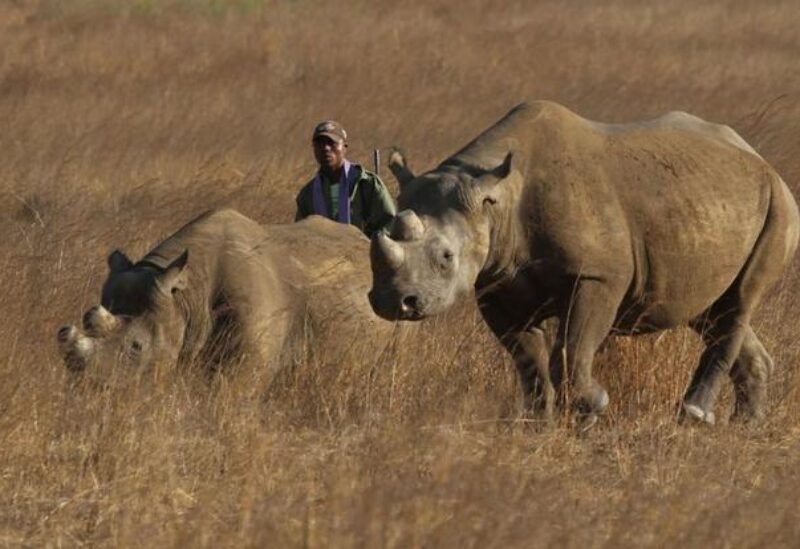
345	185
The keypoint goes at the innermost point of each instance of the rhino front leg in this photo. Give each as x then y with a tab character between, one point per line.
584	324
528	346
532	361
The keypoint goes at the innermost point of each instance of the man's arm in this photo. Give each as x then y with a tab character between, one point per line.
381	208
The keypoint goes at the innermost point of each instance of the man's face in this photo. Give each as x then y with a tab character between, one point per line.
329	152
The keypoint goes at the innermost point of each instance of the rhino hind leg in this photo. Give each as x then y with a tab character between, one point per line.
724	329
731	346
738	350
750	375
749	372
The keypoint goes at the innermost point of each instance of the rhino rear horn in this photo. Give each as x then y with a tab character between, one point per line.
399	168
98	321
407	227
118	262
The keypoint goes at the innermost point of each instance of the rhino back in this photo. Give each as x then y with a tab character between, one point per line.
327	265
330	260
672	207
210	238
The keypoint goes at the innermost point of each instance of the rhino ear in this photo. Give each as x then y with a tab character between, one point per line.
488	183
399	167
119	262
174	278
504	170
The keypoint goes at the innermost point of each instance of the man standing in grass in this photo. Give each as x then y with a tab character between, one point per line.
342	191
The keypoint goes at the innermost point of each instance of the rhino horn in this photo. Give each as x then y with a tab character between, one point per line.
99	321
386	252
67	334
407	226
84	345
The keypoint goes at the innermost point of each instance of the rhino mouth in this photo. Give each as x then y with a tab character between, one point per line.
76	348
74	362
412	315
411	308
390	305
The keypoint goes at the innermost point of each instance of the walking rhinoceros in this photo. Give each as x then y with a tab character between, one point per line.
610	228
225	285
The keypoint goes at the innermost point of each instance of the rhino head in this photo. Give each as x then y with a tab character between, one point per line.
139	321
439	242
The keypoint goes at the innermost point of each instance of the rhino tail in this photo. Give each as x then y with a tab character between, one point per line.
775	245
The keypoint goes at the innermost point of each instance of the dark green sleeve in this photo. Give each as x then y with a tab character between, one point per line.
380	208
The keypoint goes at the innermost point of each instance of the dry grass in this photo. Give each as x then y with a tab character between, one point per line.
121	120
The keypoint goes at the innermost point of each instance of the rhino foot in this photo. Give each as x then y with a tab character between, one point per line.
602	402
697	414
595	402
586	422
748	415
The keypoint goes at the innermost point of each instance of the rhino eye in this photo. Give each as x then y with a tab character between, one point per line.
136	347
445	261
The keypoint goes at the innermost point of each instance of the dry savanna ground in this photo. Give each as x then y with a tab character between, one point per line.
121	120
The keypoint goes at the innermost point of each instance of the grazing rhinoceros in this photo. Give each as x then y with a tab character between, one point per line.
610	228
224	281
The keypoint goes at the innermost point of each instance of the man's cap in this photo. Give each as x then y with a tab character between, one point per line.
330	128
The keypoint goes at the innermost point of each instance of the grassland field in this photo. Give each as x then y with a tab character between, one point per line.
122	120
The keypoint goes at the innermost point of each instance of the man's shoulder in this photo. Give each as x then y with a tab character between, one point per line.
367	176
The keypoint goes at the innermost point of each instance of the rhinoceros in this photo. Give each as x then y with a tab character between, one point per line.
608	228
225	285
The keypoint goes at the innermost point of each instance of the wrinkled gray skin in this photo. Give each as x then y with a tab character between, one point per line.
224	285
609	228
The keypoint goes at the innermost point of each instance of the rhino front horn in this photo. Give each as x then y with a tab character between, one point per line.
386	252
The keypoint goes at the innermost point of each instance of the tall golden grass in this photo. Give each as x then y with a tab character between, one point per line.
119	121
